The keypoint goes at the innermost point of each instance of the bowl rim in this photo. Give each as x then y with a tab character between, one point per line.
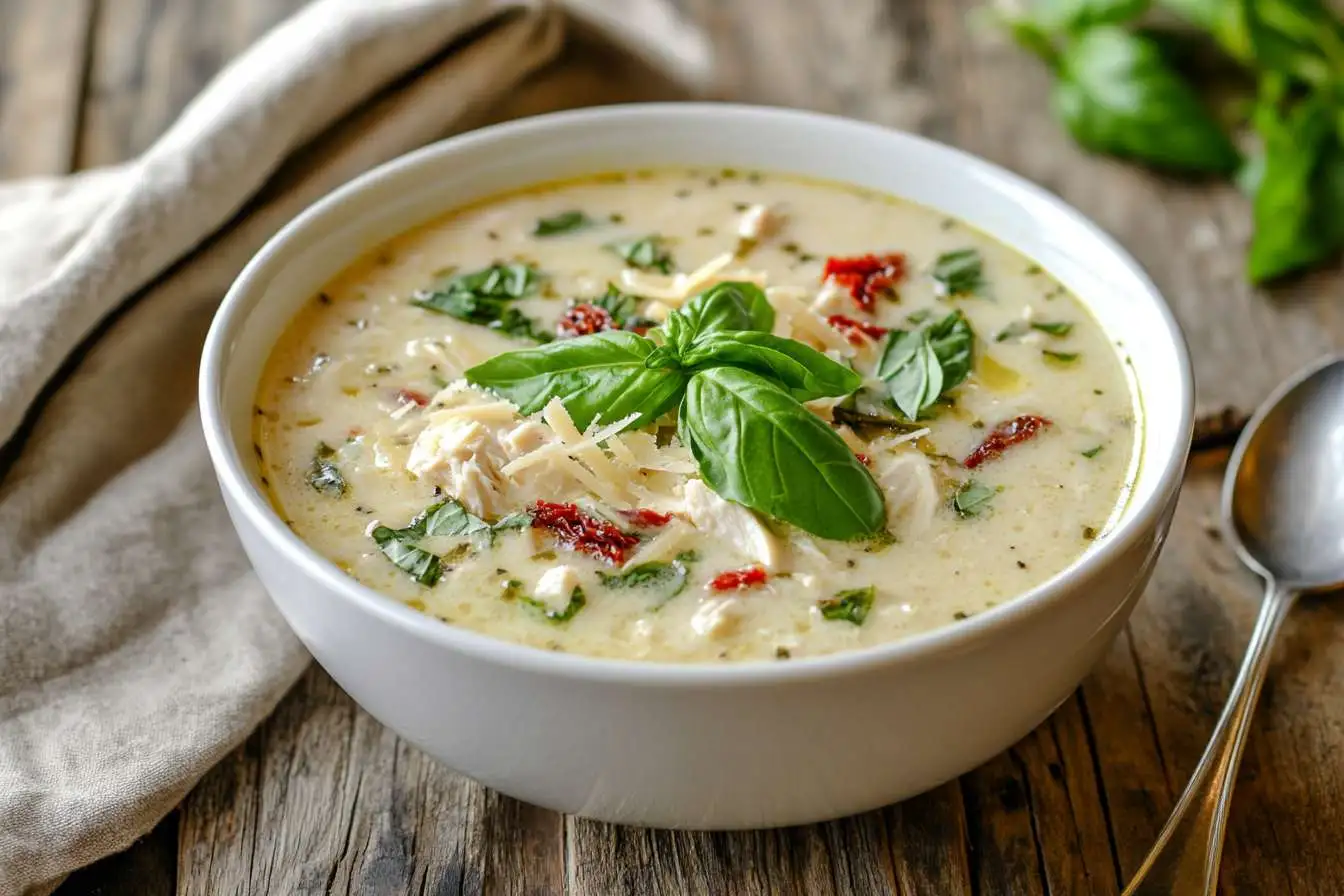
943	640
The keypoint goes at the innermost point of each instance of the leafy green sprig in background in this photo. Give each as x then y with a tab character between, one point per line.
1122	87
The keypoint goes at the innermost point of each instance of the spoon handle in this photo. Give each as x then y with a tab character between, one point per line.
1185	859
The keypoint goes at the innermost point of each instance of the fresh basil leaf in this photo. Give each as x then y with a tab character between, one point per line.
520	519
1299	206
920	366
721	308
398	547
666	580
664	356
648	254
803	371
1058	329
850	606
759	447
1116	94
513	590
324	475
1073	15
959	273
498	281
972	498
604	373
565	222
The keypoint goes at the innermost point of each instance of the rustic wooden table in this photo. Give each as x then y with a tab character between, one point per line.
322	798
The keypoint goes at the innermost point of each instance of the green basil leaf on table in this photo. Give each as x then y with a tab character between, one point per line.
850	606
604	374
803	371
324	475
1299	205
564	222
959	273
759	447
723	307
919	366
1117	95
647	254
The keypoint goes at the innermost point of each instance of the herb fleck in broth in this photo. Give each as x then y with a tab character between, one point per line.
843	385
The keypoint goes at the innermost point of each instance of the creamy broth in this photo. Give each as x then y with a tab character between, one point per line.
363	420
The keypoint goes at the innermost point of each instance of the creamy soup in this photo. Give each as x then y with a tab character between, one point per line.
696	416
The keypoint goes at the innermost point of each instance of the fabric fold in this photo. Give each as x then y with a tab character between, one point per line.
136	646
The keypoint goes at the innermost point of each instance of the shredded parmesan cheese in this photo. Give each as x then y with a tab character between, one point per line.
675	289
794	320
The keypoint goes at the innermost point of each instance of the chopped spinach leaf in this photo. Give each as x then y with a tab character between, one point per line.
482	297
959	273
565	222
1058	329
648	254
324	475
850	606
972	498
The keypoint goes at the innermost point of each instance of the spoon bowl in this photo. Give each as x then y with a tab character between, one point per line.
1283	501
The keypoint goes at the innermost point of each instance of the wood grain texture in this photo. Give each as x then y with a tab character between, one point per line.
322	799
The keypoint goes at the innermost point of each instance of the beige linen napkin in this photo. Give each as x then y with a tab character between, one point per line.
136	646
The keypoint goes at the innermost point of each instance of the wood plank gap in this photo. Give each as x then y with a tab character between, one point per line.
972	859
1148	709
1042	867
1111	839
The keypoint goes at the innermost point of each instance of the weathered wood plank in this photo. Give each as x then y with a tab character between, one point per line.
43	56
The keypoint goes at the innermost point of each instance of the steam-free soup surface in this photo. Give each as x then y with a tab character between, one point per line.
989	481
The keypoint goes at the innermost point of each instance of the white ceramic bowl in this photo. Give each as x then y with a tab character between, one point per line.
703	746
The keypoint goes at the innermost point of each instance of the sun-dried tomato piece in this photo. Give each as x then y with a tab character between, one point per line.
644	518
856	331
1004	436
866	276
863	458
419	399
739	579
581	532
584	319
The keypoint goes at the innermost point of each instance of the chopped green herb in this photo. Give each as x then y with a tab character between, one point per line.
1093	452
422	566
1033	269
923	315
972	498
647	254
668	579
1089	533
1015	330
623	308
565	222
513	591
518	520
920	366
961	615
850	606
482	297
782	653
324	475
1062	359
1058	329
959	273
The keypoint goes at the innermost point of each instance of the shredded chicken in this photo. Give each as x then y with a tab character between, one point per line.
908	482
733	525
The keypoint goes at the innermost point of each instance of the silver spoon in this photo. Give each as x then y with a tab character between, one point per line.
1283	511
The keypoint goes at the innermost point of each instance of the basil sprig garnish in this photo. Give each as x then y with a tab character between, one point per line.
483	297
738	391
921	365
